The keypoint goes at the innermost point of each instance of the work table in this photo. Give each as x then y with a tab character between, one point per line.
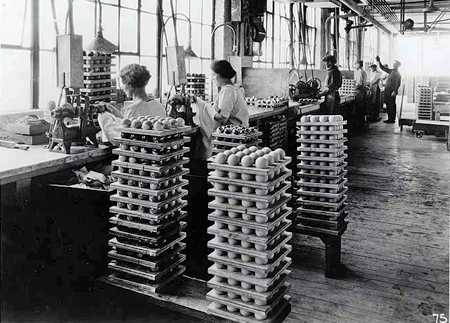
16	164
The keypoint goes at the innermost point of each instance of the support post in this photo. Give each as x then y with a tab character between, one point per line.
34	77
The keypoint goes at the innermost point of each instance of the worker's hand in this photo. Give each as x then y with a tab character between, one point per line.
394	94
377	58
193	99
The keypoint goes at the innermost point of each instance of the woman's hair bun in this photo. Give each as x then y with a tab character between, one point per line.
223	68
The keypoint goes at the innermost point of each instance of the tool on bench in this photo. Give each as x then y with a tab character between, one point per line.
12	144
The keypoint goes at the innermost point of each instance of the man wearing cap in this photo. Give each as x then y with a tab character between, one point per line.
360	77
374	100
333	82
393	82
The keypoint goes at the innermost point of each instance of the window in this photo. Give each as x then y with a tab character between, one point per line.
130	24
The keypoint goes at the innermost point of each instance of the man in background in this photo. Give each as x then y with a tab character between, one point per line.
360	77
393	82
374	100
333	82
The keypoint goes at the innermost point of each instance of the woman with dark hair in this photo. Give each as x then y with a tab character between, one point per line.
230	104
134	79
229	108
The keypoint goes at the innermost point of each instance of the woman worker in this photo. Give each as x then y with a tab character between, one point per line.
134	79
229	106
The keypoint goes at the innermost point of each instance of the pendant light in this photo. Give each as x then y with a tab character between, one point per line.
431	8
100	44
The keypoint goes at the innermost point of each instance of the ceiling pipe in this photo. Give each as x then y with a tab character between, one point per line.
355	8
327	26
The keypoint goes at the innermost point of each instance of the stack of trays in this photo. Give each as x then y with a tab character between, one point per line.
147	233
98	82
270	102
196	85
348	87
250	263
321	175
227	137
424	102
274	132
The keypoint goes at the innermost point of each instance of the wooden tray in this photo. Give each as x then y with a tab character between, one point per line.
265	283
97	73
318	141
235	144
249	170
252	268
153	276
152	252
146	156
252	238
148	179
318	223
151	144
253	184
338	168
154	133
88	64
264	227
155	218
155	229
326	159
321	132
254	295
154	265
155	205
327	123
251	307
337	186
148	191
153	239
304	229
338	195
320	214
141	287
269	198
342	174
239	137
267	254
336	205
97	89
278	314
93	98
322	150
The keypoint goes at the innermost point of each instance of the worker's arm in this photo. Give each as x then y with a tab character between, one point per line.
112	109
384	69
225	105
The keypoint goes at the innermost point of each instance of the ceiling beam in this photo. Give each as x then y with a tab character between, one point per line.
355	8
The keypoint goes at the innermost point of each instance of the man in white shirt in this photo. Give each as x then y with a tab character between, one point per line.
360	77
374	100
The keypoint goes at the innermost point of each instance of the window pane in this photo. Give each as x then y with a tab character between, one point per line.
148	34
269	26
15	69
276	57
196	10
150	5
110	21
129	3
268	54
12	20
128	30
151	64
125	60
183	7
206	41
207	12
48	89
182	32
112	2
84	20
197	39
195	66
47	30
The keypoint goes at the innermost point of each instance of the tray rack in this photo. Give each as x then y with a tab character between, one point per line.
225	141
99	84
147	220
321	185
250	244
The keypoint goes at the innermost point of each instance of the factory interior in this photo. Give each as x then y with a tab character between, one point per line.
225	161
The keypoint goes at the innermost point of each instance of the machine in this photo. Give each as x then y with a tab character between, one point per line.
305	90
62	134
180	107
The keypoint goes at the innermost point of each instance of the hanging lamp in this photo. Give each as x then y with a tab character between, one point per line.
431	8
100	44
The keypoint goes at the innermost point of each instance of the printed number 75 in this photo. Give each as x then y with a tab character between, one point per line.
440	318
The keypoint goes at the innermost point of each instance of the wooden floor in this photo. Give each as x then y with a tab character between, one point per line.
396	248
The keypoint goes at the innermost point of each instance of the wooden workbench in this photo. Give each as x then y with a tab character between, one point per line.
16	164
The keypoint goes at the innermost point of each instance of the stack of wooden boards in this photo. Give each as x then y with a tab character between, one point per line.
274	131
424	102
227	137
250	263
146	244
321	179
196	85
98	81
